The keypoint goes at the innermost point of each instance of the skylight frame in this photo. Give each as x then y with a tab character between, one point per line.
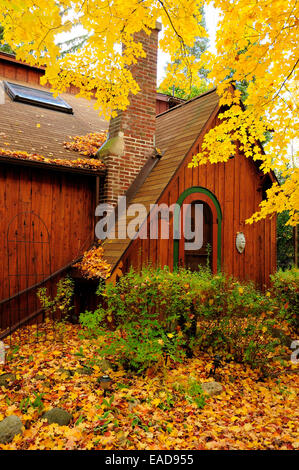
37	97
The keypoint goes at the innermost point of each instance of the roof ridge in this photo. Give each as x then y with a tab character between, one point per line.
187	102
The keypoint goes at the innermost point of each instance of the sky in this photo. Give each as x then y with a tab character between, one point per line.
211	17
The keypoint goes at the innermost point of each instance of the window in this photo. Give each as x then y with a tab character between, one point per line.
42	98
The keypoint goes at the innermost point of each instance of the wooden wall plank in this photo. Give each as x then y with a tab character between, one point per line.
59	201
235	185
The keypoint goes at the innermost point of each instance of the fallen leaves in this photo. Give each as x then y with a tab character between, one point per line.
93	265
141	412
88	144
88	163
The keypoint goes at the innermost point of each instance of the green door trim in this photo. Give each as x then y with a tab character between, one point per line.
176	222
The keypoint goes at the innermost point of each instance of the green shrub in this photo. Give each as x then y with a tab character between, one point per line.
285	289
246	340
285	244
62	302
156	314
145	310
195	394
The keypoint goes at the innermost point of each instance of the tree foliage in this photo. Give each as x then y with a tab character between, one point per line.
256	43
190	86
261	50
3	46
285	248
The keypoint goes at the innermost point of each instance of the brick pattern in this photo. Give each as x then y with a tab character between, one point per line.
137	122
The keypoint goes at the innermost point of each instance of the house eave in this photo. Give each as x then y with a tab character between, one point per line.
52	166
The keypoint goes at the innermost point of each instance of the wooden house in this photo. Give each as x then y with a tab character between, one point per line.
161	148
47	204
48	208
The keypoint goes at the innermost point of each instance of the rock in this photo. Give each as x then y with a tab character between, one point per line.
105	365
84	371
58	416
5	379
47	384
66	372
10	427
40	377
132	405
212	388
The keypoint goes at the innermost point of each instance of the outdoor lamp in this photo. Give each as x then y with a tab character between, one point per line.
216	363
105	382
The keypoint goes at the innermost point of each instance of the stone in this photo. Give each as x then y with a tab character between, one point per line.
132	405
40	377
10	427
105	365
47	384
212	388
6	379
58	416
66	372
84	371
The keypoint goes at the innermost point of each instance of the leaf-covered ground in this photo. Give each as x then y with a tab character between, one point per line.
150	412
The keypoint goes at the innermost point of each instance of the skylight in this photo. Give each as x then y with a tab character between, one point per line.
42	98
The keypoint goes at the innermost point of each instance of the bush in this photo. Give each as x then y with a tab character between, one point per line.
285	288
157	314
245	340
61	304
144	310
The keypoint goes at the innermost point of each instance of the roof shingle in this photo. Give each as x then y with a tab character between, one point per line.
39	130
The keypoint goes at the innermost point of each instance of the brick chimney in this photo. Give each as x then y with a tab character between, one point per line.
132	132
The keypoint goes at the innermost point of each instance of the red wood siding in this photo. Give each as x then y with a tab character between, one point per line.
236	186
12	69
47	220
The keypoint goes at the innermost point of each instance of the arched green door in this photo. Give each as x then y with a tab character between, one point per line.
210	252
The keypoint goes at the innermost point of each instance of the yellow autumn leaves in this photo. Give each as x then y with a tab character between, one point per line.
256	45
262	52
87	163
100	66
93	265
88	144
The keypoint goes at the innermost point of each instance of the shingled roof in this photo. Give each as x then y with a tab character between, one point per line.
177	130
19	130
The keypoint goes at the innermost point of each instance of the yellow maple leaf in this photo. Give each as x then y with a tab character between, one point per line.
247	427
156	401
